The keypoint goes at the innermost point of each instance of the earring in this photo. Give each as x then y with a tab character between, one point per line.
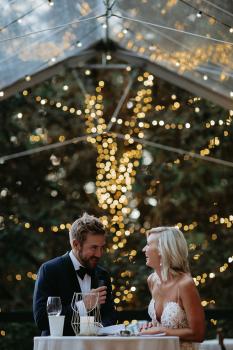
160	263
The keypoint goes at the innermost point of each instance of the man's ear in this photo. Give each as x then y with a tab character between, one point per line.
75	244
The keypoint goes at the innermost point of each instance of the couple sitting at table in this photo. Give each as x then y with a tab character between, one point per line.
175	307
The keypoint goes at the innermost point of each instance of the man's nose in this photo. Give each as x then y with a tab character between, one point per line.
99	253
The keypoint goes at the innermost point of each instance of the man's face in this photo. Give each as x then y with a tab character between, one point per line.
90	251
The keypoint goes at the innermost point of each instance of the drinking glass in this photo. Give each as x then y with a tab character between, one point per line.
54	306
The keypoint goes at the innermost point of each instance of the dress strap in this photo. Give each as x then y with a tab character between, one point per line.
178	295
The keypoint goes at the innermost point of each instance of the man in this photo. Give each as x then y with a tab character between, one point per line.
76	271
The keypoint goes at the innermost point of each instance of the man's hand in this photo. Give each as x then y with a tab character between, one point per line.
97	296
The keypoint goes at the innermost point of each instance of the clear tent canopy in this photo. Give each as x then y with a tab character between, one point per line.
187	42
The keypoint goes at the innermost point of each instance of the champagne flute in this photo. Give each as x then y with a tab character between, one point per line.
54	306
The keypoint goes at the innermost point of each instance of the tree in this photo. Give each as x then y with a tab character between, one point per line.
42	193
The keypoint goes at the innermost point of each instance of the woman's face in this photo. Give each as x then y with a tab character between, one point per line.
151	251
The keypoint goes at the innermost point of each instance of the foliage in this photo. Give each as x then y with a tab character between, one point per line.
40	193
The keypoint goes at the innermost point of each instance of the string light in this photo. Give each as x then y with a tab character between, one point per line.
59	105
116	172
186	59
2	333
111	185
119	203
201	279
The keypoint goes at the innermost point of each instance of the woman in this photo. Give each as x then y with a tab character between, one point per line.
175	307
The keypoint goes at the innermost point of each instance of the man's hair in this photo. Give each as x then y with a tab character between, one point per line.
86	224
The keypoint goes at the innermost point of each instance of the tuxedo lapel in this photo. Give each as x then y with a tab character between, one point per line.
98	279
94	280
71	274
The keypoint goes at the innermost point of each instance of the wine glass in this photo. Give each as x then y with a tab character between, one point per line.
54	306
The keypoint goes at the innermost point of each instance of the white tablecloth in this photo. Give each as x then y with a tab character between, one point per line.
213	344
106	343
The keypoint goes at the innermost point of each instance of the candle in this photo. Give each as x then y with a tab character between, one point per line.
87	325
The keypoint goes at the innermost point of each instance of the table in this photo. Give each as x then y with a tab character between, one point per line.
213	344
106	343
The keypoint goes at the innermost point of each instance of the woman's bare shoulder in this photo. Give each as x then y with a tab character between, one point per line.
186	283
185	280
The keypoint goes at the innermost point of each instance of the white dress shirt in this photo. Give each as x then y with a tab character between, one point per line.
85	284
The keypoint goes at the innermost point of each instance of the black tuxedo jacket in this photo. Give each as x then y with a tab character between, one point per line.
57	277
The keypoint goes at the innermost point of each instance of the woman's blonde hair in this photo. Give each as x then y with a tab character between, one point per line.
173	249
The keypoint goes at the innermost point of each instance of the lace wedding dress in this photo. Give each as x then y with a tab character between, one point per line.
173	316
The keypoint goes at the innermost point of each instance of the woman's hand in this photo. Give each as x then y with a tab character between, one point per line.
153	330
145	326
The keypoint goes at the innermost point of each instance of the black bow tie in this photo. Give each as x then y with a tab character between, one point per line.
82	271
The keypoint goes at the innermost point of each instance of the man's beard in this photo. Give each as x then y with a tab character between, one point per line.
90	263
